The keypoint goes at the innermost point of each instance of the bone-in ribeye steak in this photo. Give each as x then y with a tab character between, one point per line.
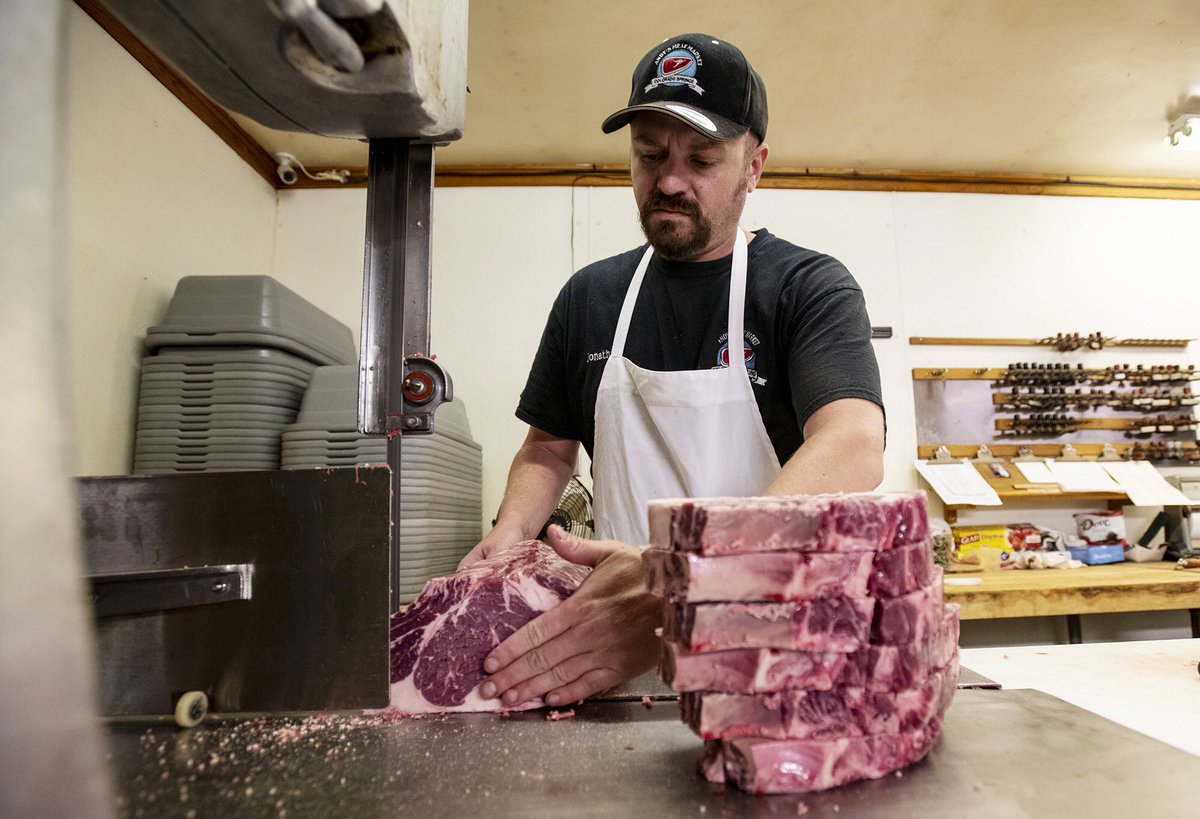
788	765
846	711
787	575
809	523
765	576
821	623
438	644
762	670
836	623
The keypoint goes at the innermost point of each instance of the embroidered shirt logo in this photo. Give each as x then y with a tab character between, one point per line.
677	66
748	356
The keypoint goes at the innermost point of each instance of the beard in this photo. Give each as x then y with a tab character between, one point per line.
685	239
675	239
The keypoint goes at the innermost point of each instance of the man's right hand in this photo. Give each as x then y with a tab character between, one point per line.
601	635
540	470
496	540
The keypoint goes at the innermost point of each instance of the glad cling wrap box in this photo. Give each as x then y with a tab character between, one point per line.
989	543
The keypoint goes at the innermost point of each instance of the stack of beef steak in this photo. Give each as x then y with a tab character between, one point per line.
439	643
807	634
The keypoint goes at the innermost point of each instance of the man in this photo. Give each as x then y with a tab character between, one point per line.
640	363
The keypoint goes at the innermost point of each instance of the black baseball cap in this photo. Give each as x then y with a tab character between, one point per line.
702	81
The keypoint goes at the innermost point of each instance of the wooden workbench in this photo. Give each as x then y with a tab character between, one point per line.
1073	592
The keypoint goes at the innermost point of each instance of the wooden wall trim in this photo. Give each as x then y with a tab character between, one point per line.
839	179
488	176
591	175
211	114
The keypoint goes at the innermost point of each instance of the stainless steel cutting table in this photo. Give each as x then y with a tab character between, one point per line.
1002	754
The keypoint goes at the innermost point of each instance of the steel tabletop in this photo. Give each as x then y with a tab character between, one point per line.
1002	754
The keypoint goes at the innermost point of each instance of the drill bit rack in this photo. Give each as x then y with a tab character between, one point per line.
1063	342
1139	399
1054	424
1036	402
1052	375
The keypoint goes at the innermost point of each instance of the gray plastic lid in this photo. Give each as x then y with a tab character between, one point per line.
250	310
209	356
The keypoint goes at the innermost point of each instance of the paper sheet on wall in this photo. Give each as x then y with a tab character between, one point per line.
958	482
1144	484
1035	471
1082	476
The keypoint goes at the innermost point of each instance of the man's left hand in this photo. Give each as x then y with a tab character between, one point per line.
601	635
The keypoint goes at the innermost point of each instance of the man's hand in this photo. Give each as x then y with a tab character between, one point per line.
600	636
496	540
540	470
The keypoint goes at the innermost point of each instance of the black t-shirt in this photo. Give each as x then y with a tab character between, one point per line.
807	336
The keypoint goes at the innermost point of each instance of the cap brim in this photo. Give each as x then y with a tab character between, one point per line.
710	125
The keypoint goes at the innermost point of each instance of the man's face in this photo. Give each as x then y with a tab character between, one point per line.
690	190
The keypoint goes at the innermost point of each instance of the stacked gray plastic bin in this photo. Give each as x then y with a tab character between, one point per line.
441	475
228	370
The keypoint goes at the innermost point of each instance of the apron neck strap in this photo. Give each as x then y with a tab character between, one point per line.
737	303
737	308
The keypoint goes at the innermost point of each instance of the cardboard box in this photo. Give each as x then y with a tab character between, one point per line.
1145	554
1098	555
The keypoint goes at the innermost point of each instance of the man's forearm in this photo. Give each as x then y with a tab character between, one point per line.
823	465
842	452
539	473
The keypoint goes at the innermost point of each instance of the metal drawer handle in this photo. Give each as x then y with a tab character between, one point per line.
157	590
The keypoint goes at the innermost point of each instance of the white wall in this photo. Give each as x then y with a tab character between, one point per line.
152	195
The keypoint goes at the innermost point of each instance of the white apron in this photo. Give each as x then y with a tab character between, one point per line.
683	434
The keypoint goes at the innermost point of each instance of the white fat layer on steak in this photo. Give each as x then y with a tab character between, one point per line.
527	588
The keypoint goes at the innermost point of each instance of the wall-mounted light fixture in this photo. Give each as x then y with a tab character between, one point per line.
1184	132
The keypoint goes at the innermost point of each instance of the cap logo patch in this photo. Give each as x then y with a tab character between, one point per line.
676	66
